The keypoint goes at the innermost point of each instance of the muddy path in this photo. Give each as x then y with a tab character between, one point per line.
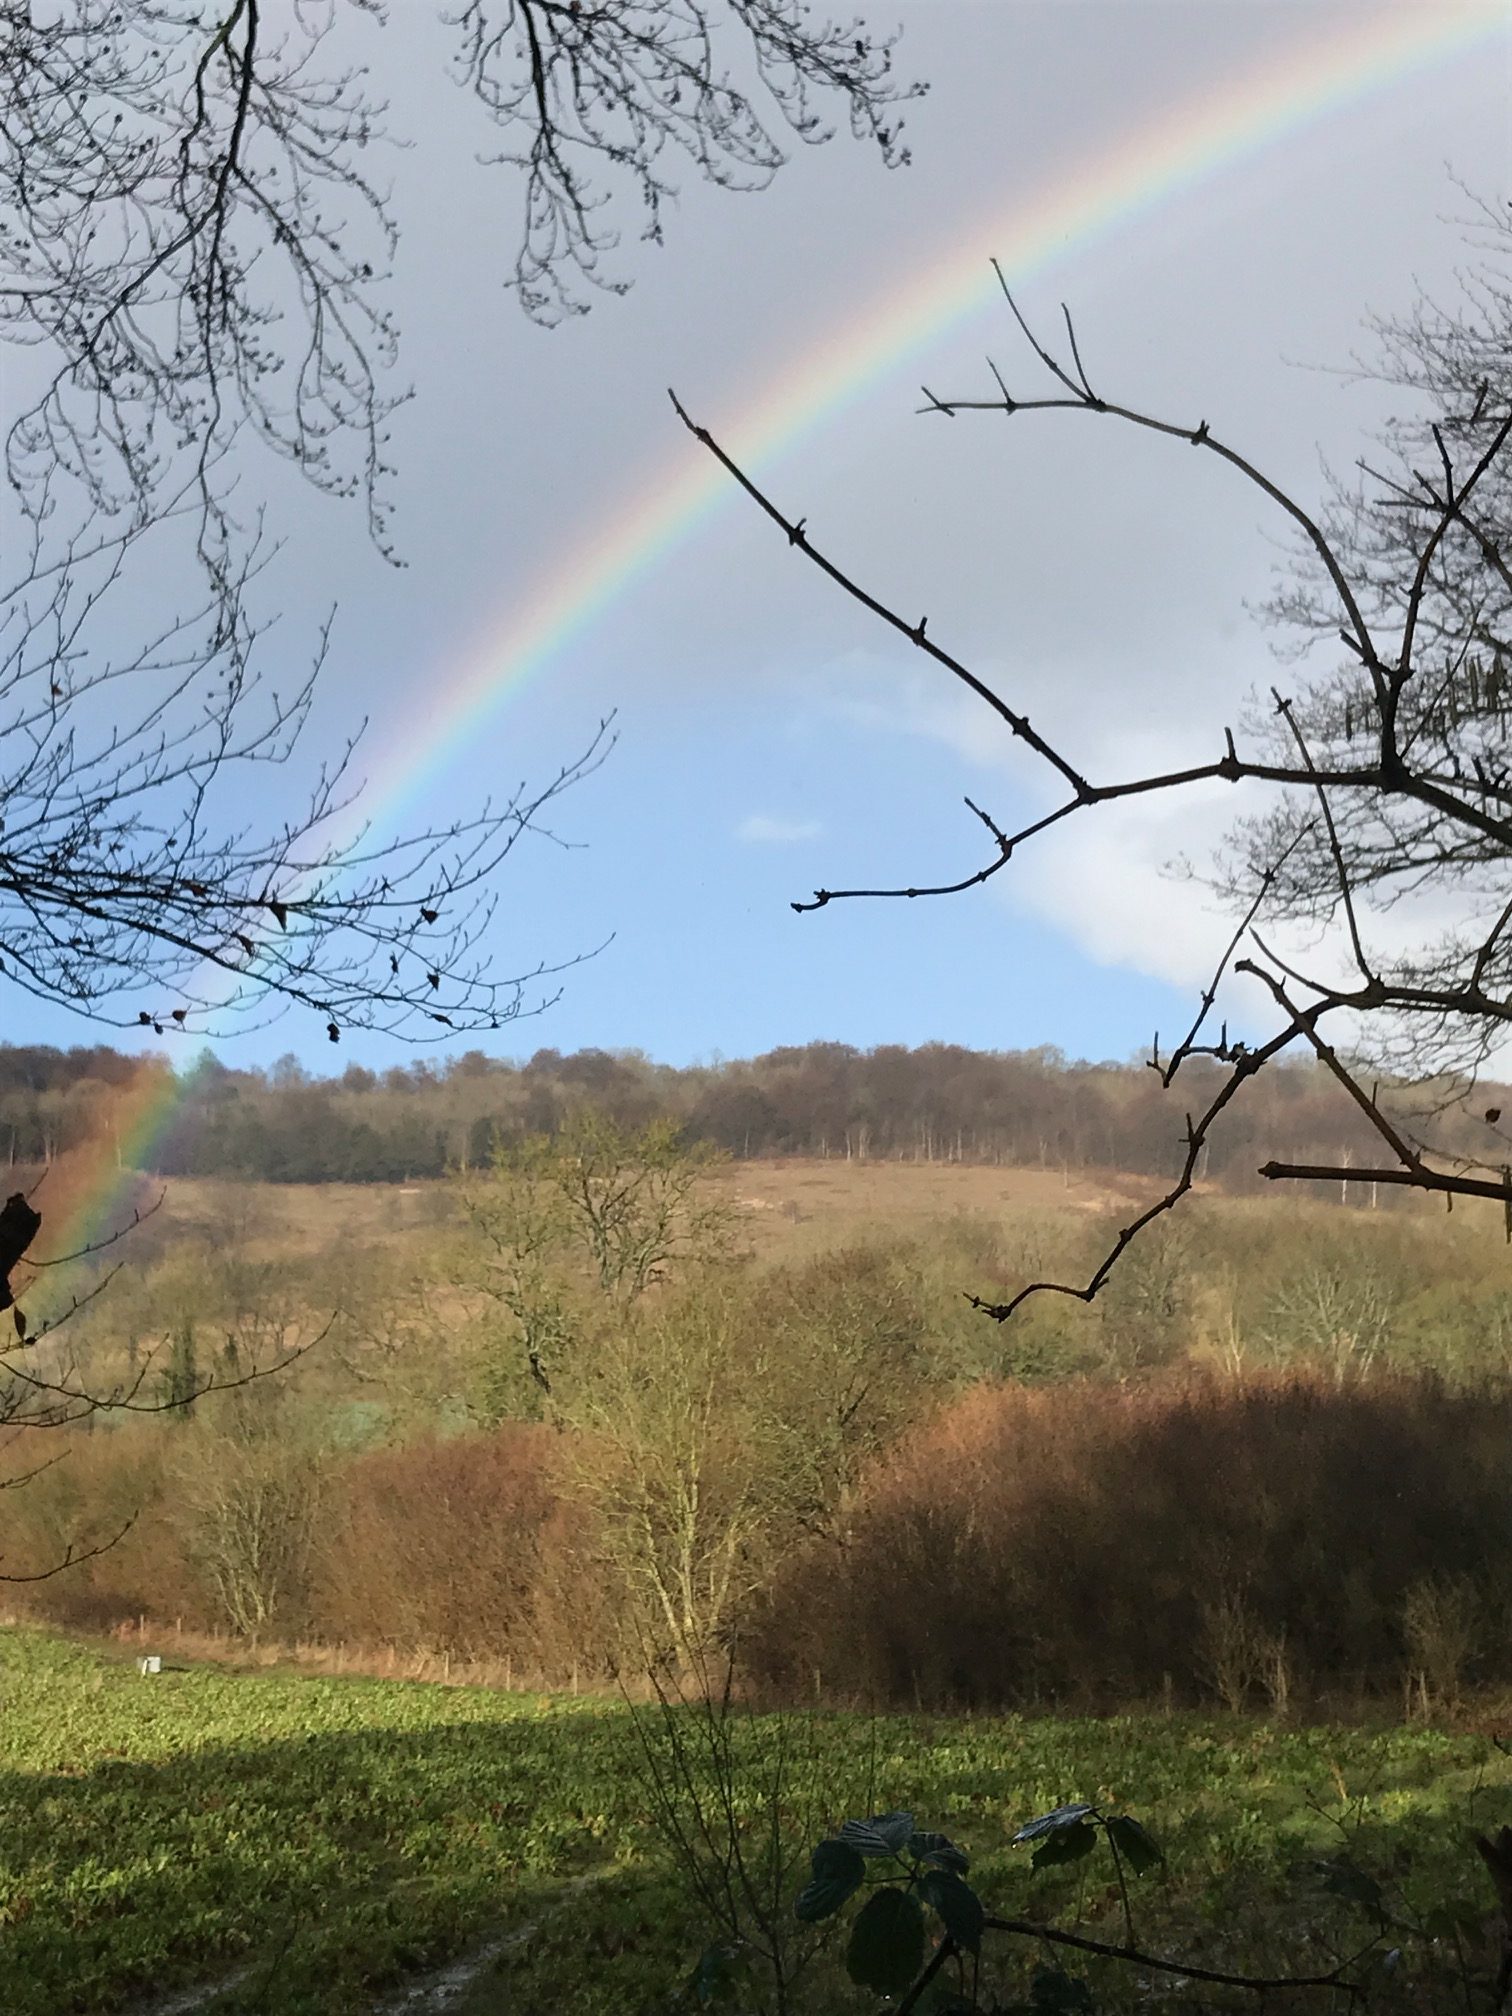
461	1984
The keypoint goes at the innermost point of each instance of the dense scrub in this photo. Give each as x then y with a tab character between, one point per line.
559	1413
1274	1539
1269	1539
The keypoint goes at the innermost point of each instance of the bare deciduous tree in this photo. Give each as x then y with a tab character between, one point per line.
1384	779
197	249
252	1495
193	256
595	1213
134	891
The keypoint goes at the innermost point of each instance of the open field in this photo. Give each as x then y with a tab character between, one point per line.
792	1208
787	1205
302	1845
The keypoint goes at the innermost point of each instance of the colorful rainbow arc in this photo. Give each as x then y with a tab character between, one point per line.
1146	167
1182	148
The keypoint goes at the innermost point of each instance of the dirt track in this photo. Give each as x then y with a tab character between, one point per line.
439	1991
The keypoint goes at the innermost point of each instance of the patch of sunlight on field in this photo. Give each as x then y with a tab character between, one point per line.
323	1838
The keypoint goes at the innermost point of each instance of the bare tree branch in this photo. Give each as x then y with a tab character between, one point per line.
1394	768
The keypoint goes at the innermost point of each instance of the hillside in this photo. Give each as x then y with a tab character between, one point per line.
937	1105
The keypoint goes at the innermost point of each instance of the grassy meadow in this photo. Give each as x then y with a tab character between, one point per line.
787	1207
300	1845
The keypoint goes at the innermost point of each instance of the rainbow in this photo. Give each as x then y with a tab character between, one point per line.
1143	169
1146	167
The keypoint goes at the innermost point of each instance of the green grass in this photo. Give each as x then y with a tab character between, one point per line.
328	1836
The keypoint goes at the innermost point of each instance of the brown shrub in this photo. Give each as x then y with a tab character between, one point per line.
1073	1544
105	1490
466	1547
1254	1540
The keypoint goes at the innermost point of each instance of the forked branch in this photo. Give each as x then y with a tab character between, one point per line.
1406	791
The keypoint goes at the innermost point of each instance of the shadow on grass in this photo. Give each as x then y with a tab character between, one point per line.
332	1863
305	1873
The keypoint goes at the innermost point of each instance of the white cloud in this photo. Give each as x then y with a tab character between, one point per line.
770	832
1104	879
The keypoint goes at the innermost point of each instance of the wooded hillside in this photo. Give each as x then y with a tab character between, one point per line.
938	1103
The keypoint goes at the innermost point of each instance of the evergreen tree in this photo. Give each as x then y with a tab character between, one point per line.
181	1380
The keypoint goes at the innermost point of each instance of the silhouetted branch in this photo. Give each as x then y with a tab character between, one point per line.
1244	1065
1257	1984
1222	1050
71	1557
1403	762
1417	1178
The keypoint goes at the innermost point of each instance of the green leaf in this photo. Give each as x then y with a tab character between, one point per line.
836	1870
943	1998
1135	1843
1054	1993
938	1851
883	1834
956	1860
1051	1823
886	1947
959	1907
1069	1843
1340	1876
719	1973
1453	1921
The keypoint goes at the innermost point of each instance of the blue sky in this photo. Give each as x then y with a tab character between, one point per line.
771	738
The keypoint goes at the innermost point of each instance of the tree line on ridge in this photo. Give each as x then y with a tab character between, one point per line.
939	1102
